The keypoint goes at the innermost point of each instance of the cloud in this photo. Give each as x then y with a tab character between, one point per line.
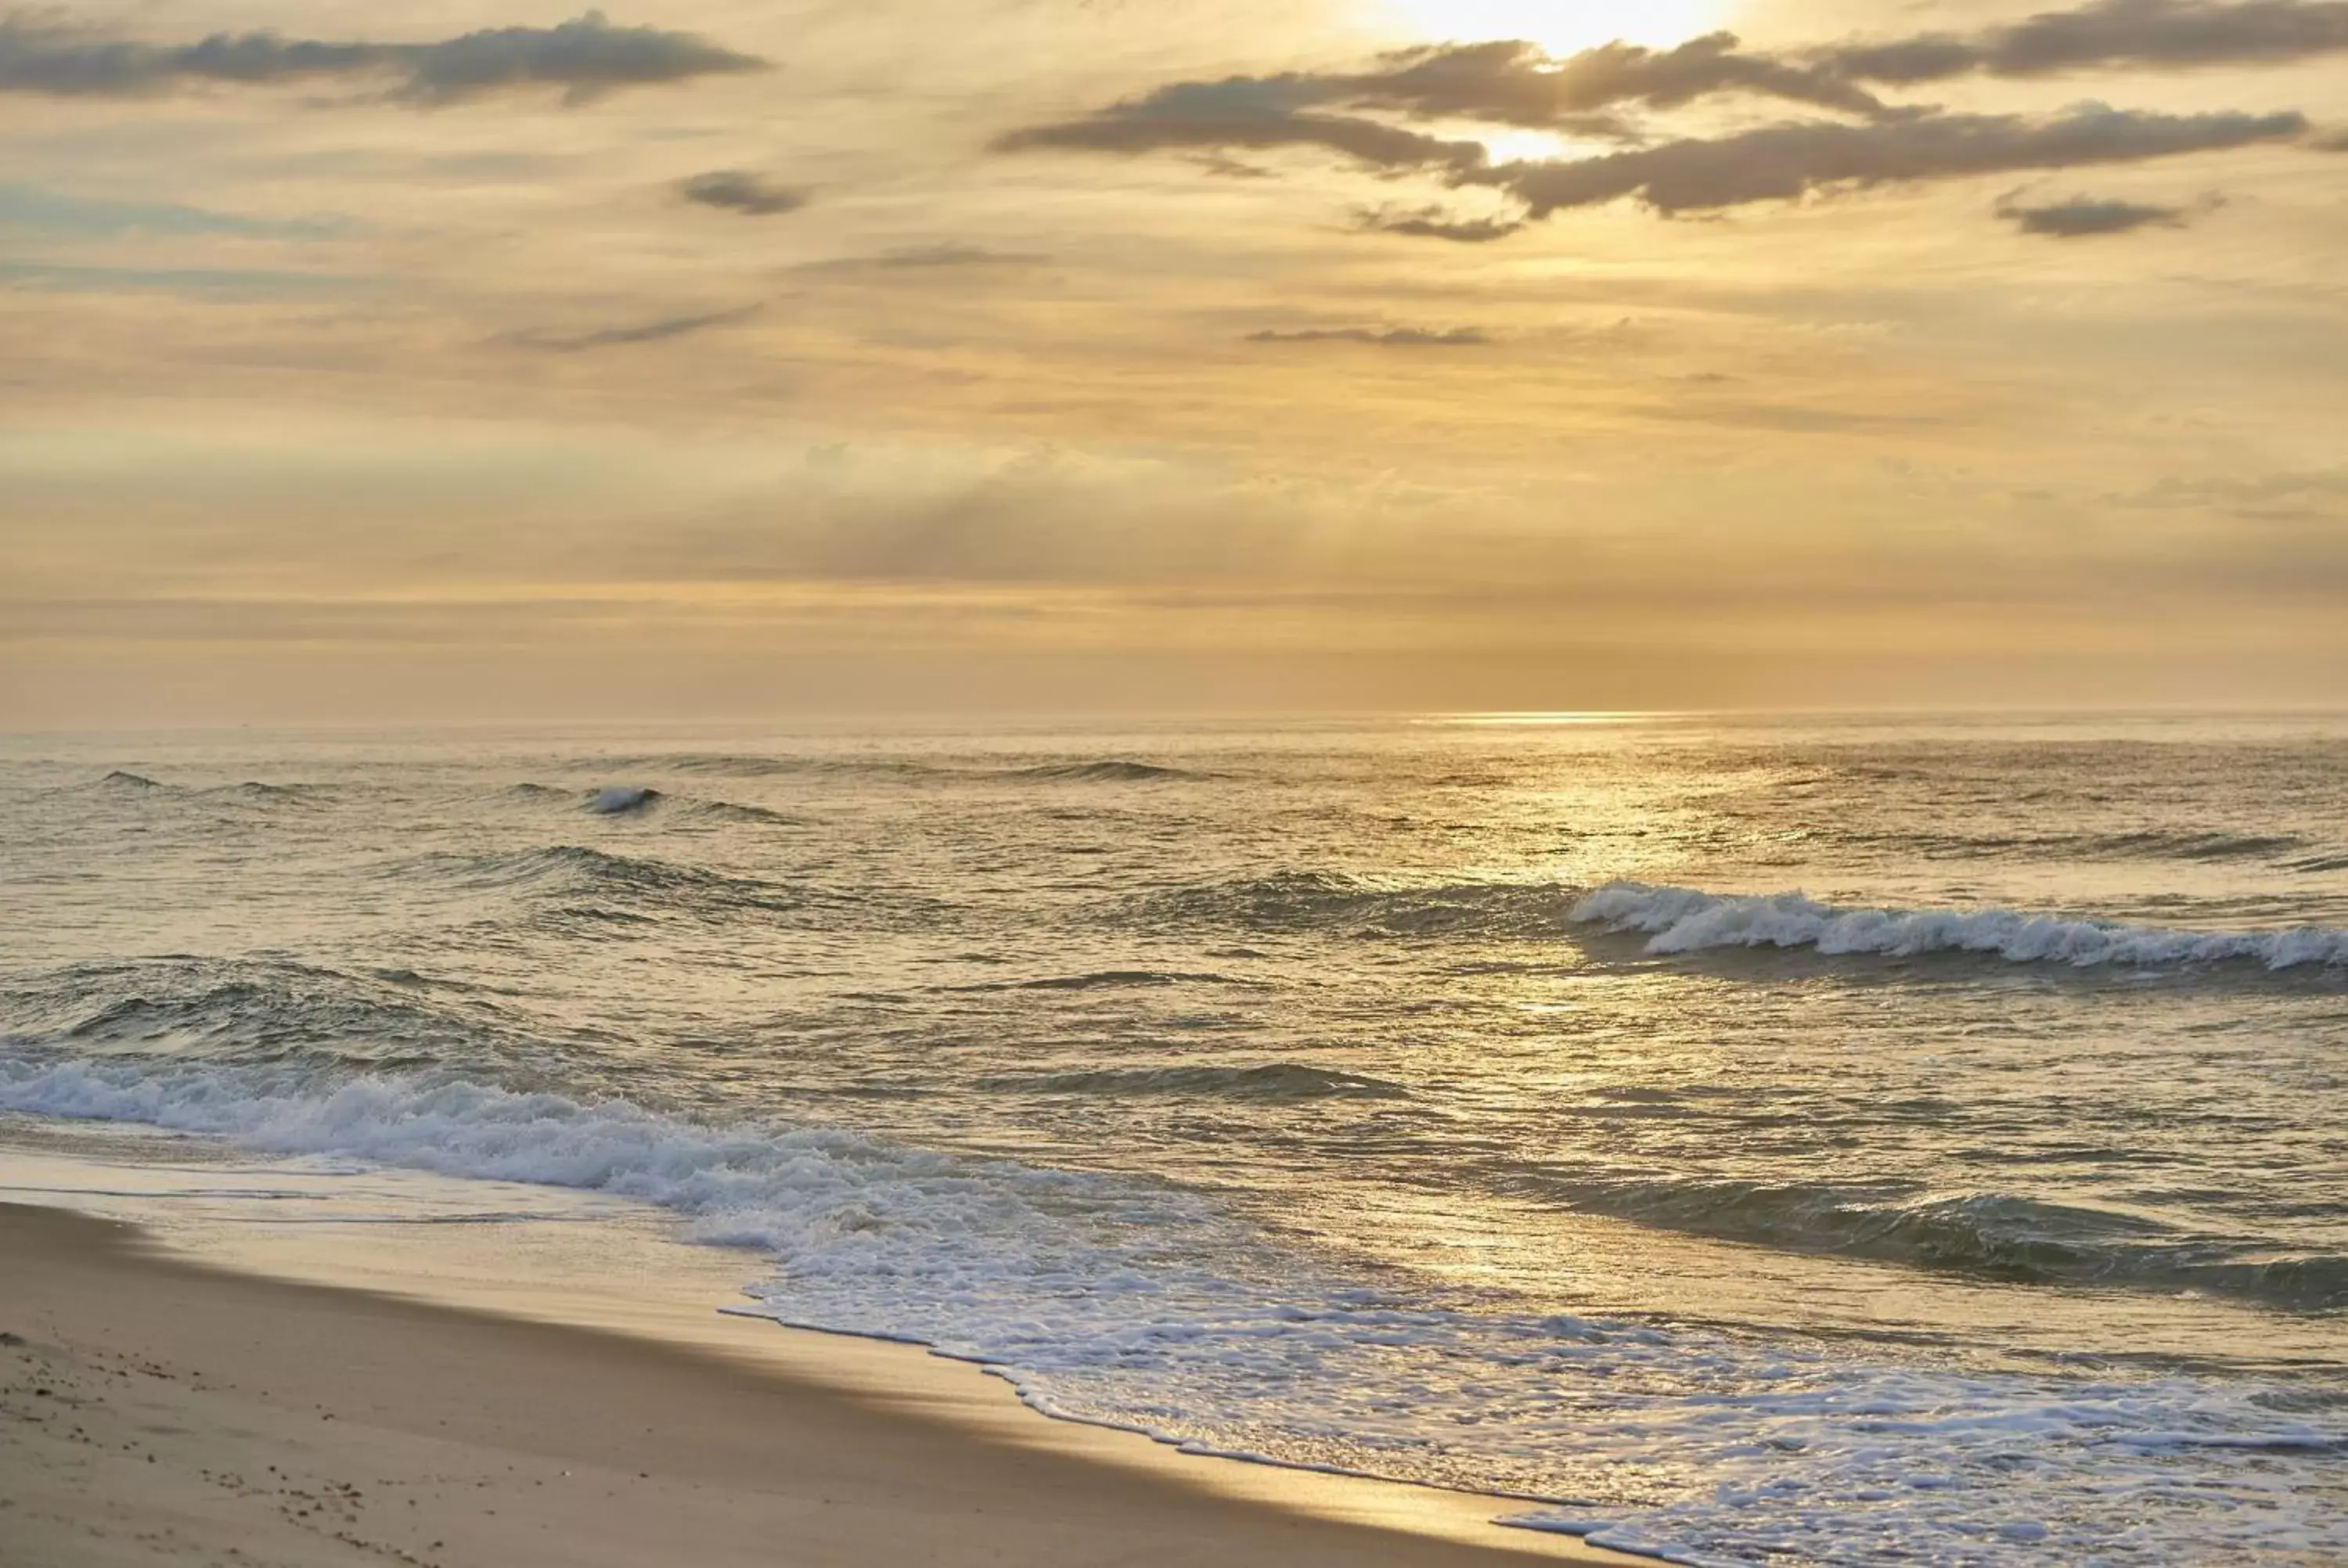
923	258
2286	496
646	332
2175	35
1434	223
1785	162
740	191
192	283
2085	217
587	57
1261	113
23	207
1388	337
1516	84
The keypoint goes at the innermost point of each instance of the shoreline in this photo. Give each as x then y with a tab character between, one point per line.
579	1427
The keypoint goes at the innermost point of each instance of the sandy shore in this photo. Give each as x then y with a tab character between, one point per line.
155	1409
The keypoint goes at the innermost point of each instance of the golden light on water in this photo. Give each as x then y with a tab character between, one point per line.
1561	27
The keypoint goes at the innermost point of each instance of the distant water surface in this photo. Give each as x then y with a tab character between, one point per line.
1824	1142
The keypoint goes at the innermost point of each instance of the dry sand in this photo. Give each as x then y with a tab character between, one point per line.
155	1409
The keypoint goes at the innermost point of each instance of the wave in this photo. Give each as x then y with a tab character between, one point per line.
1987	1235
731	811
2148	845
1104	770
1133	1303
262	1012
715	764
1303	900
620	800
623	883
1686	920
1102	979
1109	771
2198	845
1277	1081
634	801
2338	862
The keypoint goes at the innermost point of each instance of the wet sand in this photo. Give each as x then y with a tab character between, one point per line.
157	1410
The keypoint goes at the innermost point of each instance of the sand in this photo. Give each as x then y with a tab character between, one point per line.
157	1410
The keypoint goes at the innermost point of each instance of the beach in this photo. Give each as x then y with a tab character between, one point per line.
1694	1138
155	1409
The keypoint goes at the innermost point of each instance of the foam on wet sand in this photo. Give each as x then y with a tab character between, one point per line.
156	1409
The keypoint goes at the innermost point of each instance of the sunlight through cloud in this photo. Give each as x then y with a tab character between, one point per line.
1561	26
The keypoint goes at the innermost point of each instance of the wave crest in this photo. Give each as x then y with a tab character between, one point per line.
1687	920
1275	1081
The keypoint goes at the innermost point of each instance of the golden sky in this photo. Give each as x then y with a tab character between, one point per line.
494	361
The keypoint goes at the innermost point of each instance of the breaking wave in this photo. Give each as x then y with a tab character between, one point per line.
620	800
1131	1304
1685	920
634	801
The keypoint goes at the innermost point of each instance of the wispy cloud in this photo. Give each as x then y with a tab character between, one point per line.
191	283
658	331
1383	338
586	57
33	207
941	256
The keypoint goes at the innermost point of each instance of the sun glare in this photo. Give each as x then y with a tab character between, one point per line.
1561	26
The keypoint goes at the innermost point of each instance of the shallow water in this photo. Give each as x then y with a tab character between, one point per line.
1841	1141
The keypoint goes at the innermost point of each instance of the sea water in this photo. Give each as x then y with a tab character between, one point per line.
1818	1141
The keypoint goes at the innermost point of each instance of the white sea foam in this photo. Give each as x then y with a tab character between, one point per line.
1685	920
618	800
1130	1303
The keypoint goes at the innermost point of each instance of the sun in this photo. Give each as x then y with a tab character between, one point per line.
1561	26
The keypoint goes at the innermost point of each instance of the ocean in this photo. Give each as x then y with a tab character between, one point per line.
1740	1141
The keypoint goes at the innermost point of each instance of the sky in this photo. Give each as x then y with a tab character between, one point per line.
496	361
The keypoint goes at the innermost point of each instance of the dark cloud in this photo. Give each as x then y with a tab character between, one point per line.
1383	338
1516	84
740	191
644	332
1354	114
586	57
2085	217
1784	162
1259	113
1434	223
1505	83
2173	35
